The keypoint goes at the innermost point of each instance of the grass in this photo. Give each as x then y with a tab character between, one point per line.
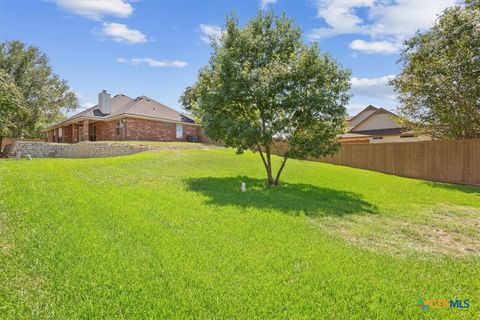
168	234
164	145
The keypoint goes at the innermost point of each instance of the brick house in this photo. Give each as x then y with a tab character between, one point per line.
123	118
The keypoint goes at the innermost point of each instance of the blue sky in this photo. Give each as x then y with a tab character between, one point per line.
156	47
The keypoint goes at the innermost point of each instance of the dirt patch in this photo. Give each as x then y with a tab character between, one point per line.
446	230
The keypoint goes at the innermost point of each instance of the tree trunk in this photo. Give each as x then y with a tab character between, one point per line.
267	163
269	166
1	144
279	173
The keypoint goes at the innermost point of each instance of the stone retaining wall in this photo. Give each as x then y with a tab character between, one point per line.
77	150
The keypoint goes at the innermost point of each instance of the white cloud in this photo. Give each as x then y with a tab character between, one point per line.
210	32
369	47
264	3
340	16
373	87
405	17
96	9
382	21
154	63
86	105
121	33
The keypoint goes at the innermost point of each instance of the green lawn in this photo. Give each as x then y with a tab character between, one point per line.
168	234
163	145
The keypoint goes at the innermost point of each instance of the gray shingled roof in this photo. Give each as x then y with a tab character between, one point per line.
142	106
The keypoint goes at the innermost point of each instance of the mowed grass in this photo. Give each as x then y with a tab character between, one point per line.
168	234
163	145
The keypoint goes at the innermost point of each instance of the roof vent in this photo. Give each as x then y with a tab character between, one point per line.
104	102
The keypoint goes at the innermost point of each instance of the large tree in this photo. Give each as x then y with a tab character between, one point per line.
439	86
12	106
46	95
263	84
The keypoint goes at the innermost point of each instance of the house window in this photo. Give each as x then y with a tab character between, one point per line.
119	127
179	131
93	132
80	133
377	138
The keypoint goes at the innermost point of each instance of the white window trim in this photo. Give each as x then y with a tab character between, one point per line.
179	131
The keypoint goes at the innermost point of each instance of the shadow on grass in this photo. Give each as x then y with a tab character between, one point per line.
456	187
288	198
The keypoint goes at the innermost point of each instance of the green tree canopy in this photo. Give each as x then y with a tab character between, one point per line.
439	86
263	84
44	93
12	106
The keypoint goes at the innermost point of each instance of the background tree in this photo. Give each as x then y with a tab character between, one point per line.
12	106
264	84
44	93
439	86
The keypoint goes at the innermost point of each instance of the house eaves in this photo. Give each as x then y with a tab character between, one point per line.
115	117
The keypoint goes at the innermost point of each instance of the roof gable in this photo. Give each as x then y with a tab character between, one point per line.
379	119
147	107
362	115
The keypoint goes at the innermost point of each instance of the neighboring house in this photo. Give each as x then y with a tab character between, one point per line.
376	125
124	118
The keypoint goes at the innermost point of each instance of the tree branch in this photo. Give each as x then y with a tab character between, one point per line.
262	156
277	178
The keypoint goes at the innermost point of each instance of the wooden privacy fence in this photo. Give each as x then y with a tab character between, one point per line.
456	161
